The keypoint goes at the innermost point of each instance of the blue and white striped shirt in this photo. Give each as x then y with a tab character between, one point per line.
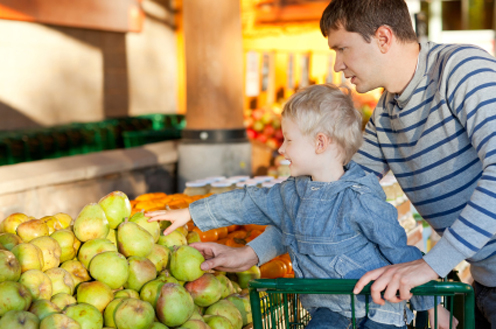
439	139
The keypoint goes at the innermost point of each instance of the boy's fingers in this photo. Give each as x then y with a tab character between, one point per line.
154	213
157	218
171	228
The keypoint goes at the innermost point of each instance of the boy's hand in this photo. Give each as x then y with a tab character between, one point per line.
443	318
177	218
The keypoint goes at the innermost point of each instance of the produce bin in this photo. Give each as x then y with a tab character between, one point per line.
162	121
82	138
15	147
275	303
142	137
163	127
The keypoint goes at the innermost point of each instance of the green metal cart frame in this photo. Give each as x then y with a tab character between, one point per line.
275	303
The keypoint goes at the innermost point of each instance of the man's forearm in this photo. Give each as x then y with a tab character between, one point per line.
268	245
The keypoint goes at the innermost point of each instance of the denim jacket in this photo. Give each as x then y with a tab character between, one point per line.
340	229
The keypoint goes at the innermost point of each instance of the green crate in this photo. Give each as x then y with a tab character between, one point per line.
37	144
162	121
33	145
88	138
5	157
275	303
107	133
15	147
142	137
62	140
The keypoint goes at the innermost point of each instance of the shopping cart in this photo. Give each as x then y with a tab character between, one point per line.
275	303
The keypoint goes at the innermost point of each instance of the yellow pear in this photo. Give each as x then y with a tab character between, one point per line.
64	219
51	251
31	229
10	223
52	223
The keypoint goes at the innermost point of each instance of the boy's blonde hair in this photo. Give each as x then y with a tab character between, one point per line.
329	110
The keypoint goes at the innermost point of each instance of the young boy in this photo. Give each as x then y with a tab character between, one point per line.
334	218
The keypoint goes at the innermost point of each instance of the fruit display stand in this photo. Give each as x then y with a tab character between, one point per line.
108	266
66	184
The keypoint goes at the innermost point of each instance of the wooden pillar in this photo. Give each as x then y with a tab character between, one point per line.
214	64
214	142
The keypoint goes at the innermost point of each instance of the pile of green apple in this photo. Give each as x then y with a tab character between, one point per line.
109	269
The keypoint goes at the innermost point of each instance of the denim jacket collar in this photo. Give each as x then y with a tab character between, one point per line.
353	177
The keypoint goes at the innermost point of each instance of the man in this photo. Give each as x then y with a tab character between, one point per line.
434	128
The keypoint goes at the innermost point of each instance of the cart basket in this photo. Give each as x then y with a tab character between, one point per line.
275	303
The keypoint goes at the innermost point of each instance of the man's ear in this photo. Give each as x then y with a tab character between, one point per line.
321	143
384	38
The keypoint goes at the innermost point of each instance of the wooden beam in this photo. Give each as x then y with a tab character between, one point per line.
109	15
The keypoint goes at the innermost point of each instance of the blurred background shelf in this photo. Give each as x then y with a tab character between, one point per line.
82	138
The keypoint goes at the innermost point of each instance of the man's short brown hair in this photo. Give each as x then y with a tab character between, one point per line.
366	16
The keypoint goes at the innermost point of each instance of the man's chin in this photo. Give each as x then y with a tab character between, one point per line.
362	89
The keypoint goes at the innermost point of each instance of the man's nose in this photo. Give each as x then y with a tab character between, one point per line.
339	64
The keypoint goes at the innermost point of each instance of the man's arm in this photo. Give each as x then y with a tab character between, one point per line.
399	277
470	95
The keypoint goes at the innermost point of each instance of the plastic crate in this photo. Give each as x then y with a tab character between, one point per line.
142	137
15	147
5	154
86	138
275	303
61	134
162	121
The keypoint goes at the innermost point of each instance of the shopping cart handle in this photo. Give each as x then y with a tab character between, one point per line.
346	286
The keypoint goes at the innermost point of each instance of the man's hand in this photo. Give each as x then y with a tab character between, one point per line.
224	258
393	278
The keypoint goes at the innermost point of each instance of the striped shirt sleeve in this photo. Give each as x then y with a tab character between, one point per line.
471	96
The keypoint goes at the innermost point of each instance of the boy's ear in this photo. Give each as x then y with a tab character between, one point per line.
321	143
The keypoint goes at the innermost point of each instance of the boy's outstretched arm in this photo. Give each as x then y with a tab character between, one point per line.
178	217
